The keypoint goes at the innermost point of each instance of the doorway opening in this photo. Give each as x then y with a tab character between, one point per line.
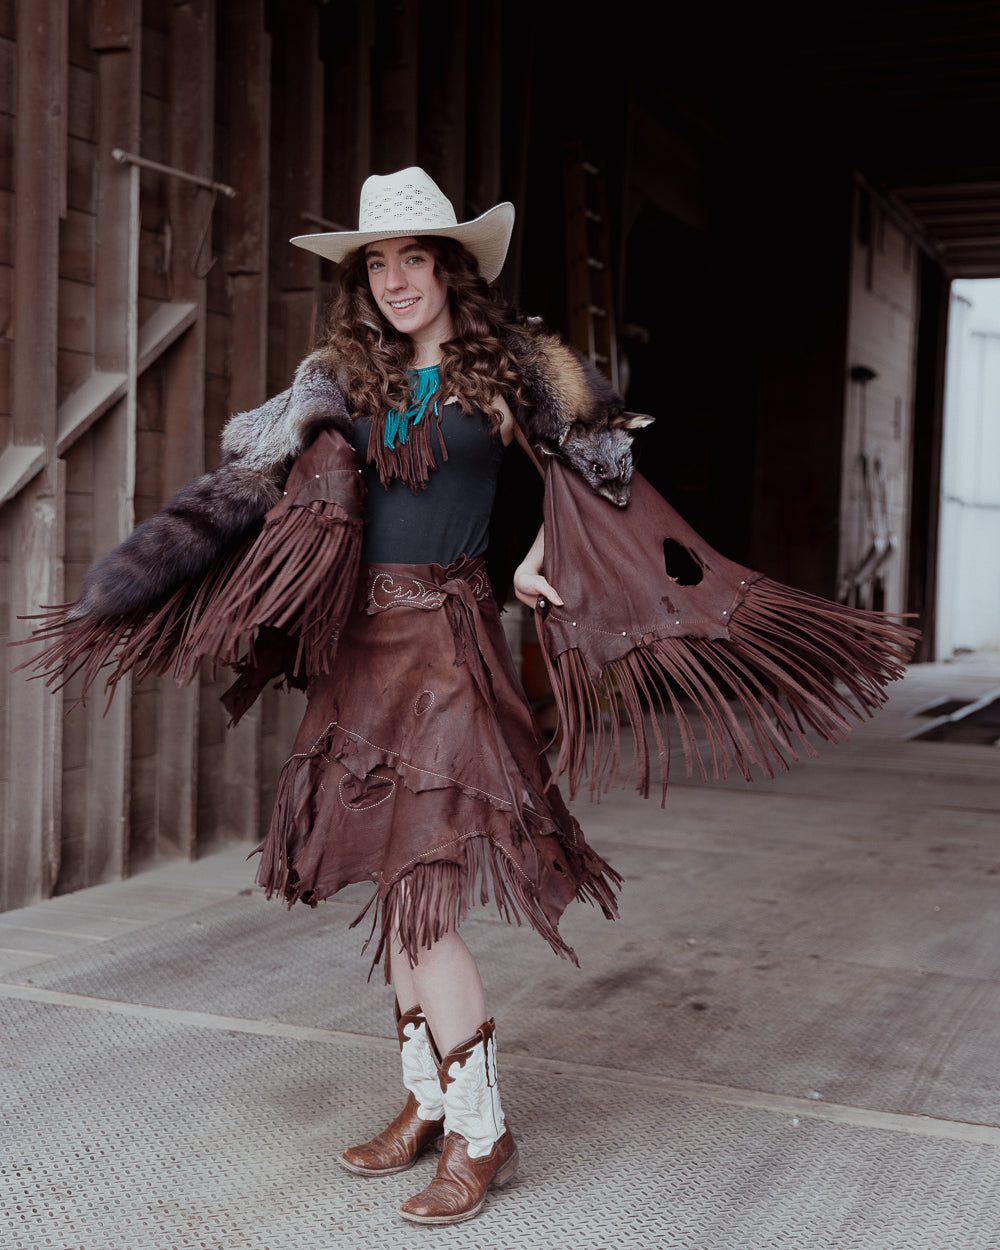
968	561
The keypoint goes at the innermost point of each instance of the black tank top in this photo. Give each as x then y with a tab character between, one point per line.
450	517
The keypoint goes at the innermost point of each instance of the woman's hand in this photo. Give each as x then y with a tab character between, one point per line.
529	582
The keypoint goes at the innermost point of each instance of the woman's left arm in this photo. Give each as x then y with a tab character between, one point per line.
529	582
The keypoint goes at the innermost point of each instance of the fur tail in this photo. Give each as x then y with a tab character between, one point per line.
296	575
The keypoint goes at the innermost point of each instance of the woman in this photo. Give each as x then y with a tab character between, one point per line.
421	734
341	542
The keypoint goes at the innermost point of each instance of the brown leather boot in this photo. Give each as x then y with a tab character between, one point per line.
421	1122
478	1148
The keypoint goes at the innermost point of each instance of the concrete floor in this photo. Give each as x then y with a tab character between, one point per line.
789	1039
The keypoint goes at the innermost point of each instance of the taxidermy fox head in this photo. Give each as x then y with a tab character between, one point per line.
602	454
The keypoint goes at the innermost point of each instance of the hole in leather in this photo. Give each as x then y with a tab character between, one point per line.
423	702
557	866
682	565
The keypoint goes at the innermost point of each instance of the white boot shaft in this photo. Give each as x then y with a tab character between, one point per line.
420	1070
472	1093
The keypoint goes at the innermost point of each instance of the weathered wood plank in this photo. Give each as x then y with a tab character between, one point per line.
30	852
99	390
107	798
485	108
114	25
395	78
443	112
347	140
231	789
19	462
297	147
191	93
80	174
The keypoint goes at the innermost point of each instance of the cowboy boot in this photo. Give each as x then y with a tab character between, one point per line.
478	1148
421	1122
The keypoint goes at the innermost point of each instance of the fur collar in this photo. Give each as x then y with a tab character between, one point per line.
571	412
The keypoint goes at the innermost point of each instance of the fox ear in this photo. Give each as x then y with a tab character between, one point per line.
631	421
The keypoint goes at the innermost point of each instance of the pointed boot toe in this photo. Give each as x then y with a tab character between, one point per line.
397	1147
459	1187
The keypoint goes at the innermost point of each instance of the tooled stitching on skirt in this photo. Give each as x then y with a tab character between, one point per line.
353	807
462	785
417	709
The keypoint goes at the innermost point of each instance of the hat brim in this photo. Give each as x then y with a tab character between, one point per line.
487	238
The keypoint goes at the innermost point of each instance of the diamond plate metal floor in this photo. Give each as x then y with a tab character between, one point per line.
787	1041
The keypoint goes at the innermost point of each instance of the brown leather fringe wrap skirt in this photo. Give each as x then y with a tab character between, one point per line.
417	766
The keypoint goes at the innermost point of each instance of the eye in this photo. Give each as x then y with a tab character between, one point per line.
598	470
374	265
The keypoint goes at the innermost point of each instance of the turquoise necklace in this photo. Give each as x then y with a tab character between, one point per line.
423	387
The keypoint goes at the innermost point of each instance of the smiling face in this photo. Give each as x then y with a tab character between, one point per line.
408	292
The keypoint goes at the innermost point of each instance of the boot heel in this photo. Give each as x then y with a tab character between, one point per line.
507	1171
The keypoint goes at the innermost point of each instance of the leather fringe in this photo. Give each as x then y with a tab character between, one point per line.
296	573
413	460
793	663
300	576
141	643
432	899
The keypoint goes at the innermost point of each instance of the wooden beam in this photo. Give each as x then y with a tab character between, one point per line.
485	109
347	139
191	95
18	465
443	111
520	45
395	79
101	391
104	854
230	806
30	851
297	146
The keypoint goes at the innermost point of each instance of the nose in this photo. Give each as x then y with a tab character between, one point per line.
395	276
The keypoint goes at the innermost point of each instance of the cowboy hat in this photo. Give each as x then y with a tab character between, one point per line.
409	202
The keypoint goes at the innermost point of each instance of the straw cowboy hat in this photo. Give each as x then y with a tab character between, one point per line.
411	203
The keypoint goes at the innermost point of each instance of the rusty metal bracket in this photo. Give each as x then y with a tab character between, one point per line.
130	158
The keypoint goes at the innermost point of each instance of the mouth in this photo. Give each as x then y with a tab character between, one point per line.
401	305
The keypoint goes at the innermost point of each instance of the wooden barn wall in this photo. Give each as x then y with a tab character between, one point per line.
800	328
883	319
289	105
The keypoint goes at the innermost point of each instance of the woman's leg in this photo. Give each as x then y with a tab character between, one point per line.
402	982
421	1122
479	1150
446	983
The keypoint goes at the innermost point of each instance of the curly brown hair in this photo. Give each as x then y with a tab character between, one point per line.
478	366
